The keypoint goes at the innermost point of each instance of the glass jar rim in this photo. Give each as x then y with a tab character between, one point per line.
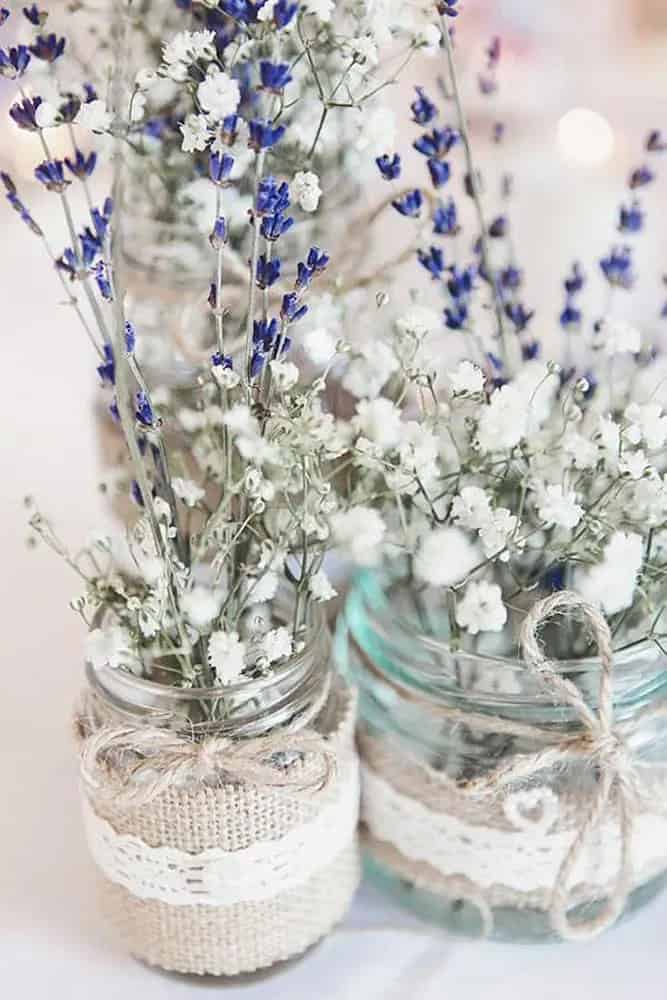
366	582
293	665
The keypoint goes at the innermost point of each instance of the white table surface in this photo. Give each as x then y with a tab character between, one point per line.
52	943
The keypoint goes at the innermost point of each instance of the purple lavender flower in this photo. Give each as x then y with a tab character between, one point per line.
263	135
409	204
218	235
316	262
640	177
447	8
389	166
510	278
103	283
229	130
144	410
50	174
461	281
530	350
4	14
518	315
135	492
291	309
445	219
107	370
631	218
23	113
283	13
433	261
17	204
456	316
274	226
617	267
224	361
498	133
272	198
68	263
35	15
570	316
219	167
439	170
423	110
274	76
130	337
14	63
655	142
576	280
81	166
437	143
48	47
264	334
498	228
240	10
268	272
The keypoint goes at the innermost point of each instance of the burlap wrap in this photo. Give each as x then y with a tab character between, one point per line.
249	934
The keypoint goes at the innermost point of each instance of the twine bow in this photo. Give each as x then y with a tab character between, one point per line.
601	744
135	764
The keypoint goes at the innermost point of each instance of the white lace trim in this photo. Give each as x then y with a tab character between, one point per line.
525	859
221	878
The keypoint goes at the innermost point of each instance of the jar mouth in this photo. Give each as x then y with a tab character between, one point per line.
248	688
372	586
386	645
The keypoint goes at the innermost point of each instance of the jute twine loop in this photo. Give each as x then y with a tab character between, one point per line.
134	764
598	744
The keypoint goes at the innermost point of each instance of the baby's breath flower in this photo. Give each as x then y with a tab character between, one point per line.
187	491
111	647
559	508
467	378
226	655
481	608
306	190
611	583
445	557
277	644
359	532
201	606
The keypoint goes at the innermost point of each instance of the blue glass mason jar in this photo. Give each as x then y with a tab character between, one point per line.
487	805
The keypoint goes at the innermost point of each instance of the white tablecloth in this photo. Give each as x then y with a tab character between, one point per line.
52	944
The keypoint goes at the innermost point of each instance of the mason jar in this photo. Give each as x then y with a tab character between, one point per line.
488	806
222	821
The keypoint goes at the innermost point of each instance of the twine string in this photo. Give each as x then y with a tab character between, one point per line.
599	743
135	764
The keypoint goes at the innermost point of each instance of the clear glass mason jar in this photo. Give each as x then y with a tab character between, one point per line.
483	857
222	871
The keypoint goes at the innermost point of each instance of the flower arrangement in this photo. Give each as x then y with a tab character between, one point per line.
495	480
492	468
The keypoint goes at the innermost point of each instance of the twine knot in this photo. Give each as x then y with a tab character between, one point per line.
601	744
134	764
